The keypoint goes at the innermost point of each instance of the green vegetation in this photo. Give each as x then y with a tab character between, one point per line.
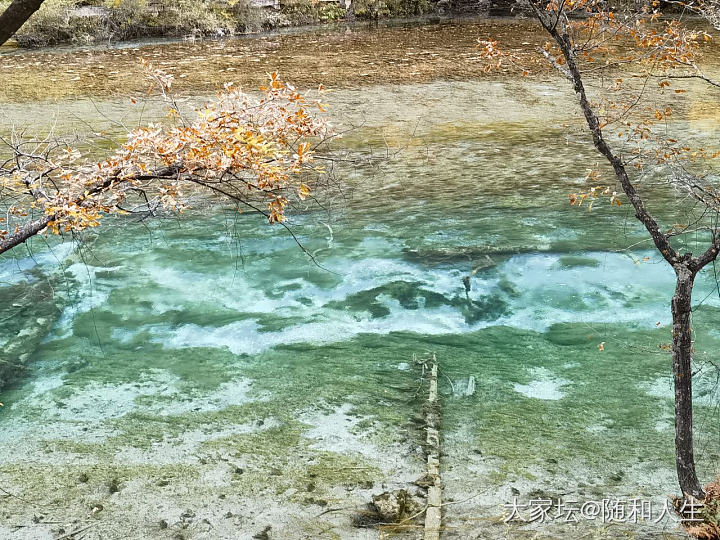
375	9
60	21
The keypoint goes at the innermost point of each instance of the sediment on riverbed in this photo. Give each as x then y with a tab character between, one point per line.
330	57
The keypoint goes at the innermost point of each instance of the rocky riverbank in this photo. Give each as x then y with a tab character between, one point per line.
71	21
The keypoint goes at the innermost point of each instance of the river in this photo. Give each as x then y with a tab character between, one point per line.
199	375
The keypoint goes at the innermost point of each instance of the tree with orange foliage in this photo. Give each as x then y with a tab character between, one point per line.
624	69
257	153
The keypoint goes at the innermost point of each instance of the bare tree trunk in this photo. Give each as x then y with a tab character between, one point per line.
15	16
682	373
686	268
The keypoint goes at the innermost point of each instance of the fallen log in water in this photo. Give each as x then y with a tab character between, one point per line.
433	512
397	511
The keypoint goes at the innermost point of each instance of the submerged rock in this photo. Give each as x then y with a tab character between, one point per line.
394	506
390	507
481	257
28	311
409	294
264	534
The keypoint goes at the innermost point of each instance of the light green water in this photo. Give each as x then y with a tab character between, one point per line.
176	352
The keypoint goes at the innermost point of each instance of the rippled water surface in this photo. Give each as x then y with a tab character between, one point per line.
203	368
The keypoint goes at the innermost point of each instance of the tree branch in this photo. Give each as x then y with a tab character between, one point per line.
564	42
27	231
24	233
710	254
554	64
15	15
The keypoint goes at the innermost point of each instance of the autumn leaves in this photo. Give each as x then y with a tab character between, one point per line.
255	151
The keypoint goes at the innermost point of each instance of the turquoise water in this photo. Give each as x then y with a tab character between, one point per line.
174	353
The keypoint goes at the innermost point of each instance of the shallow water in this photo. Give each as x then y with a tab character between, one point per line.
204	363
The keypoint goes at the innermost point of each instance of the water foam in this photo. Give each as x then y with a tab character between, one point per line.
545	292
